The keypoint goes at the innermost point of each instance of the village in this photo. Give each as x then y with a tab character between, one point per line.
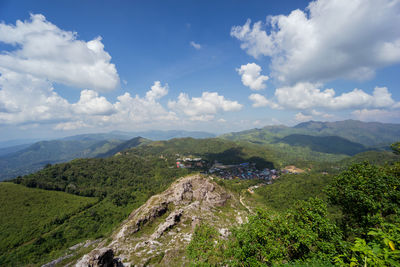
244	171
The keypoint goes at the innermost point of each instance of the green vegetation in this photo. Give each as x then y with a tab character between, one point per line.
212	149
367	234
325	144
369	134
26	214
119	184
289	188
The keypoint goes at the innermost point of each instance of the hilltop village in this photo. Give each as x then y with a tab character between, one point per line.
244	171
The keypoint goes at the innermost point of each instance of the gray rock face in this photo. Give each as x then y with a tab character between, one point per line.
103	257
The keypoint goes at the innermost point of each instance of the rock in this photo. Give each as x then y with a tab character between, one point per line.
188	201
171	220
103	257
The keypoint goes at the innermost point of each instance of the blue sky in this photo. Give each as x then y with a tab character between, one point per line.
71	67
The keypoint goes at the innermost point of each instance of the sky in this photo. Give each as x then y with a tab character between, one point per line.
72	67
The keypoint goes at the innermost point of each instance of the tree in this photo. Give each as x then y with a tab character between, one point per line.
366	194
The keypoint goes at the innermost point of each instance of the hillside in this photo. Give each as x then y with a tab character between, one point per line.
115	186
324	144
210	149
159	231
38	155
27	213
134	142
371	135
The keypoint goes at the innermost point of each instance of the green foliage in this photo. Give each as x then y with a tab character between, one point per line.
120	184
289	188
366	194
301	233
382	250
204	248
396	148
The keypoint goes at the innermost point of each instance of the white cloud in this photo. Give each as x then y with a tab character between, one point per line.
45	51
329	40
251	76
309	95
380	115
195	45
157	91
262	101
25	98
90	103
203	108
300	117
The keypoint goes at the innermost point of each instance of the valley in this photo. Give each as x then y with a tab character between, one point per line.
146	202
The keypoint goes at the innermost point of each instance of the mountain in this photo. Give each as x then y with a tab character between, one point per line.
325	144
12	149
133	206
39	154
167	135
134	142
369	134
366	133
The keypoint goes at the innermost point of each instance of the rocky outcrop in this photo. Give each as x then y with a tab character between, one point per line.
158	232
103	257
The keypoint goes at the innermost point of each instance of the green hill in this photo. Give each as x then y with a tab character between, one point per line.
325	144
134	142
115	185
371	135
38	155
366	133
27	213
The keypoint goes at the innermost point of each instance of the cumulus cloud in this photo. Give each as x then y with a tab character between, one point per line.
195	45
157	91
90	103
262	101
251	76
203	108
309	95
142	109
45	51
329	40
25	98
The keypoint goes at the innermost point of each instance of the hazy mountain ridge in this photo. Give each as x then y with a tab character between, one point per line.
27	158
368	134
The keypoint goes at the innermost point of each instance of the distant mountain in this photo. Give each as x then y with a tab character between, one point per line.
17	142
12	149
324	144
167	135
99	137
369	134
39	154
134	142
366	133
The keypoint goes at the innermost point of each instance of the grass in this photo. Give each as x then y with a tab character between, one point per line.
27	213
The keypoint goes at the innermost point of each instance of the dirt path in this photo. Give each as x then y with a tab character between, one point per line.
244	204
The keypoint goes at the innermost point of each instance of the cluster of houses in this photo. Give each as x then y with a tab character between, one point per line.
190	163
245	171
